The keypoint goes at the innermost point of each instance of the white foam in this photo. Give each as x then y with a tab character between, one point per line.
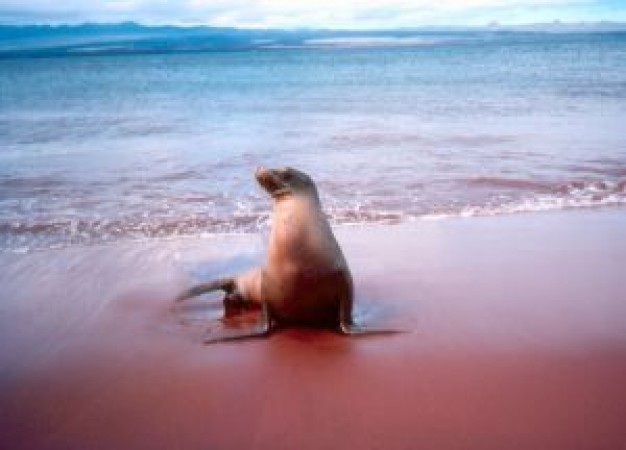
584	196
42	233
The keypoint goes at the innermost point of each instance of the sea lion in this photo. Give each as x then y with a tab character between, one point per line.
305	280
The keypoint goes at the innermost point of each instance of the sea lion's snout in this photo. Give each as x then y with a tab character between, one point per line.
260	172
285	180
263	176
269	180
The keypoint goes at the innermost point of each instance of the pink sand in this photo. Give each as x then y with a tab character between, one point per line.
517	339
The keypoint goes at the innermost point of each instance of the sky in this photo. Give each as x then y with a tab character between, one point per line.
339	14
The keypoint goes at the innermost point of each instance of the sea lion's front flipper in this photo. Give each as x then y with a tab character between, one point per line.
261	329
354	329
349	327
224	284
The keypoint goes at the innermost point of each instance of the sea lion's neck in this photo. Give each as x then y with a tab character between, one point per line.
289	197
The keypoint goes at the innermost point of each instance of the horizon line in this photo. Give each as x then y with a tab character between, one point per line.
491	24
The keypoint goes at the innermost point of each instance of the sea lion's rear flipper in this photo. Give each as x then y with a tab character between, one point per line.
225	284
261	329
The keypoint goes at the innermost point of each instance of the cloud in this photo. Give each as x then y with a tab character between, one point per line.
310	13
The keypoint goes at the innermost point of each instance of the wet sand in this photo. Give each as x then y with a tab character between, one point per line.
517	340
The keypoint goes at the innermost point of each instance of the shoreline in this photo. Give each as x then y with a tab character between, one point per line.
393	221
517	340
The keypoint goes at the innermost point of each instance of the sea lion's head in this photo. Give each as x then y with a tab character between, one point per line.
285	181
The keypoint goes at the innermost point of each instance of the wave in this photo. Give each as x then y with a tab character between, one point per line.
376	41
507	183
20	235
572	187
540	197
545	197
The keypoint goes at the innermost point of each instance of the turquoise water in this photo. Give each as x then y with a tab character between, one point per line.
101	148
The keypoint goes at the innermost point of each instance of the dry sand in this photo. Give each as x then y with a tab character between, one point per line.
517	340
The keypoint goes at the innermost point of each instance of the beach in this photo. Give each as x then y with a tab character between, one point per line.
476	181
515	337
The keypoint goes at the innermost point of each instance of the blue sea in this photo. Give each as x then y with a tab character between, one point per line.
102	148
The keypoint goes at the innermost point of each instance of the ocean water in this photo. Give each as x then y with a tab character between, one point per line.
105	148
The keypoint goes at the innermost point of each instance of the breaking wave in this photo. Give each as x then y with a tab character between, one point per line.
545	197
26	234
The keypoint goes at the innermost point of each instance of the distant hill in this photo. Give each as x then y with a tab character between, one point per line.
129	37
